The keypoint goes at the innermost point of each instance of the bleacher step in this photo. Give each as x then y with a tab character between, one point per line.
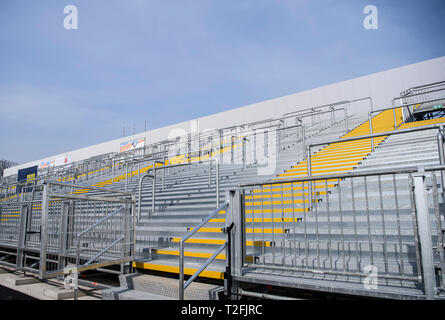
149	287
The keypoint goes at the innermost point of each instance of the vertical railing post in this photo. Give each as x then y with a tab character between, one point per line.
133	233
44	231
303	133
22	235
424	232
254	146
395	118
217	181
309	173
153	193
244	151
181	269
440	141
235	215
221	142
231	148
125	227
210	173
126	176
63	232
112	171
163	173
370	130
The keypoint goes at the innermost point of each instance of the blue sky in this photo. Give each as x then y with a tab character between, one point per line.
172	61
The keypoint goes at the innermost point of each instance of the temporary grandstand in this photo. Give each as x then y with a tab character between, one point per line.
324	199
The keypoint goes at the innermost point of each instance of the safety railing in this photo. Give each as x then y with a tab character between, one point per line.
165	168
411	99
374	233
366	137
95	230
422	88
64	229
102	165
182	285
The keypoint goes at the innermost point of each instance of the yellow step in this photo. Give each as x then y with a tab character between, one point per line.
328	171
249	220
173	269
284	195
314	186
277	202
248	230
221	256
222	241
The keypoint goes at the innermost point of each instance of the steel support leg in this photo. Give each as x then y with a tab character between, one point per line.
424	231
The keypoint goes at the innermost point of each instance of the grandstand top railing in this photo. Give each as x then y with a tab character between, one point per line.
422	88
203	140
148	152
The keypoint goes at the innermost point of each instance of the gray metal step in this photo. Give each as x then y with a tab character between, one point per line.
150	287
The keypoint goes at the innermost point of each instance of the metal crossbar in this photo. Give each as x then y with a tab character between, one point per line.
183	286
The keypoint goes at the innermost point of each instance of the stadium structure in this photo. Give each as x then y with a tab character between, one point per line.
337	190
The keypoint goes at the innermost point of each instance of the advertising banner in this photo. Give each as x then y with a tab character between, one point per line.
27	177
132	144
58	162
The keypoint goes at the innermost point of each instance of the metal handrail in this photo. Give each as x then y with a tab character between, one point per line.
97	223
366	173
80	186
183	286
375	135
140	192
430	85
164	167
309	176
415	95
330	105
113	156
315	113
370	136
418	94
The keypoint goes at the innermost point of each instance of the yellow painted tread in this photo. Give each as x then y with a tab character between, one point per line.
173	269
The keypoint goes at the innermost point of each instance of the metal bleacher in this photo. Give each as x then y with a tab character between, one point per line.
322	199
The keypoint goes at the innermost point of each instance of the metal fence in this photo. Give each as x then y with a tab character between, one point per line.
385	223
62	227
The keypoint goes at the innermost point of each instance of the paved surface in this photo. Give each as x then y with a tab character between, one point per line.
35	290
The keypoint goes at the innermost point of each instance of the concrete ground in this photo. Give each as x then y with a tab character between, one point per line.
31	286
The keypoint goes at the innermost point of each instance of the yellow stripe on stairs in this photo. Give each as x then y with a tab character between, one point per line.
341	157
174	269
249	243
